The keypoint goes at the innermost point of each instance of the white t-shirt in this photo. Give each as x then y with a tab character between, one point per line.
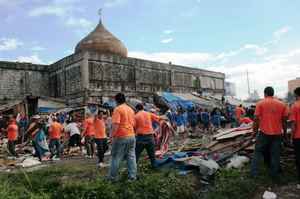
72	128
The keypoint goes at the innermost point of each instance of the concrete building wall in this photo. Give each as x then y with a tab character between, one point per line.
136	77
20	79
293	84
88	77
65	79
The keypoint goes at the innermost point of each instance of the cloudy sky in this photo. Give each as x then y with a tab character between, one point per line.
232	36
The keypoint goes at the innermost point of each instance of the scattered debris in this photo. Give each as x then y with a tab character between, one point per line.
29	162
237	162
206	167
269	195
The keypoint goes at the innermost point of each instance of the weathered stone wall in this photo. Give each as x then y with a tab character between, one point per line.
111	74
80	78
65	79
20	79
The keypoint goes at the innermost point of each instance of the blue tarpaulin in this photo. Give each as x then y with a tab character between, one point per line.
110	104
47	110
175	101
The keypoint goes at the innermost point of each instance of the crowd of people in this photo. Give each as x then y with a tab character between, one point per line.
130	131
209	121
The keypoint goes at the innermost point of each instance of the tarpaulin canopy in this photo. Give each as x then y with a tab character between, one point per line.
49	105
202	102
175	101
47	110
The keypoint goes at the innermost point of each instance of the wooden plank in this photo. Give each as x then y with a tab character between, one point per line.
224	132
235	134
229	131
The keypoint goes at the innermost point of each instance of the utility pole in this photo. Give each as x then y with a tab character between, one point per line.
248	83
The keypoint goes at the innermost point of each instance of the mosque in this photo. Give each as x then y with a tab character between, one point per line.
97	70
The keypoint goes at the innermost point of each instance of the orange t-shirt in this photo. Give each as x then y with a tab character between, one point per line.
100	131
295	117
55	130
143	122
239	111
123	115
12	132
270	112
89	128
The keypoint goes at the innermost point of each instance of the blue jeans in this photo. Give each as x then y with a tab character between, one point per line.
123	148
267	146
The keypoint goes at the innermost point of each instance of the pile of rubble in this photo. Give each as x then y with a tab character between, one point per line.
230	148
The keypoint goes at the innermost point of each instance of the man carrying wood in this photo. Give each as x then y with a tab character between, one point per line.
270	122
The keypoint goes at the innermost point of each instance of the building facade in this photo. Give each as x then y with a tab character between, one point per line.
100	68
293	84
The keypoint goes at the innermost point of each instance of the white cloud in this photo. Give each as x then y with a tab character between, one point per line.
274	71
30	59
48	10
58	8
190	59
166	41
167	32
37	48
67	11
257	49
79	23
7	44
114	3
280	32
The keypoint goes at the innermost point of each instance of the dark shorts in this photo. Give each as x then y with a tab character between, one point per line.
75	140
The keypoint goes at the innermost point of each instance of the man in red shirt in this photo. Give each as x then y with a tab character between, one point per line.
100	137
295	118
55	133
123	139
270	122
12	134
145	133
89	135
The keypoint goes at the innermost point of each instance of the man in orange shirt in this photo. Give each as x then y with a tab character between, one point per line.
123	139
270	122
295	118
145	133
55	133
12	134
89	135
239	112
100	138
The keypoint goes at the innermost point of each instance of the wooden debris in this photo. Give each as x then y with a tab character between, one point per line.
234	134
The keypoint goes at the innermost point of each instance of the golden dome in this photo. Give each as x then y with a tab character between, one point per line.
102	41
